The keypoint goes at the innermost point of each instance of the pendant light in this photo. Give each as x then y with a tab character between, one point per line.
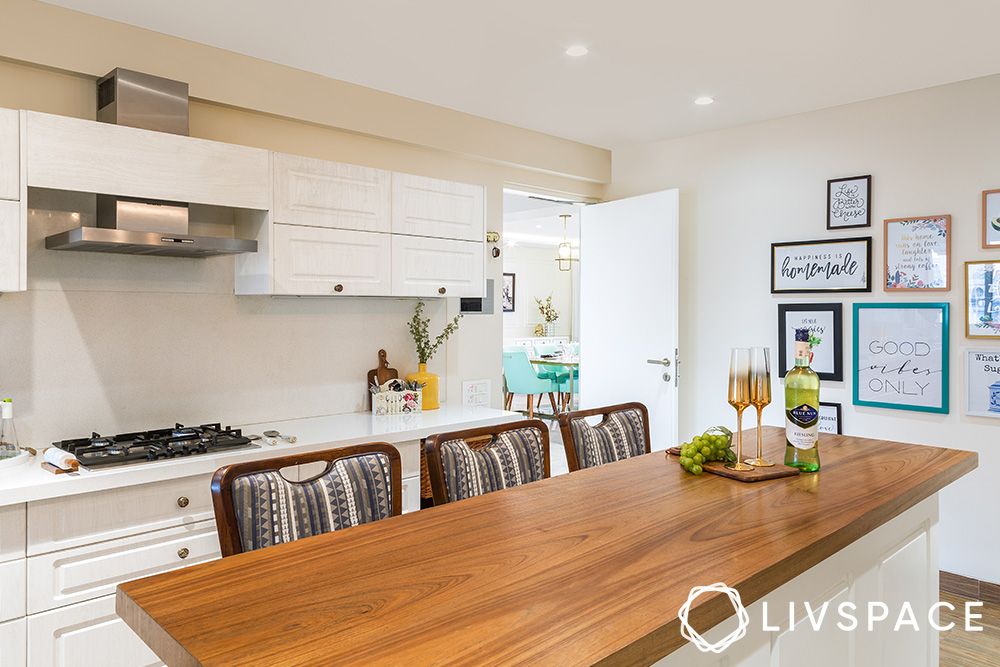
564	252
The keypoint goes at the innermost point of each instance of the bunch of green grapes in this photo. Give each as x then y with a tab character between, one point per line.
712	445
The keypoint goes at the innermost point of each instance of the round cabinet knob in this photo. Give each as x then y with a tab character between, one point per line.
182	553
442	290
183	501
338	288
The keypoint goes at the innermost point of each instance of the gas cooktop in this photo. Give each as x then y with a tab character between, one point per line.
157	445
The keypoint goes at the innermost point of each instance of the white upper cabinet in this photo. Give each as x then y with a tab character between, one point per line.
334	262
437	267
424	206
13	245
71	154
320	193
10	152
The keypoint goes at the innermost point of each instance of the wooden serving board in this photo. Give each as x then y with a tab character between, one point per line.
756	475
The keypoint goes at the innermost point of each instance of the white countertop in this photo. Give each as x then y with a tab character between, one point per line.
30	482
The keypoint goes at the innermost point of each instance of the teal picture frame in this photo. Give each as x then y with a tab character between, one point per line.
945	309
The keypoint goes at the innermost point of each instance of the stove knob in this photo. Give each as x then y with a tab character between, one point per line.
183	501
183	552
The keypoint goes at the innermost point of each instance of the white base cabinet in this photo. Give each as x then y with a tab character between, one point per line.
88	634
14	643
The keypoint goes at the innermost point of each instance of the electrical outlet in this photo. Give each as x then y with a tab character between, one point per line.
476	393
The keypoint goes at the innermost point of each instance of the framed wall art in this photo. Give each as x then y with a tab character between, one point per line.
825	322
507	292
848	202
901	356
828	265
983	383
991	219
982	299
829	418
917	253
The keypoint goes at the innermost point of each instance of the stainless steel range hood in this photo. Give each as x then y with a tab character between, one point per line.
140	226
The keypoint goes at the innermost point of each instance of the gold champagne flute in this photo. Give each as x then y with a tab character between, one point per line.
739	398
760	397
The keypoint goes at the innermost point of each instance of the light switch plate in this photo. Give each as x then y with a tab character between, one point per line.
476	393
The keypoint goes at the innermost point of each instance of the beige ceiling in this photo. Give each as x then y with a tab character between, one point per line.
648	59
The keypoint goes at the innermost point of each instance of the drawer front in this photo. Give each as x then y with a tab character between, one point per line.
411	494
334	262
12	531
85	156
62	523
74	575
10	152
86	635
435	267
13	581
321	193
14	643
441	209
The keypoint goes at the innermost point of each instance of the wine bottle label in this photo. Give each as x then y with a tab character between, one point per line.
802	426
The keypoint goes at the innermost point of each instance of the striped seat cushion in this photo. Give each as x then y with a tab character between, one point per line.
621	436
271	510
515	458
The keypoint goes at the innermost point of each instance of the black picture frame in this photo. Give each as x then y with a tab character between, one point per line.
837	407
513	292
867	240
868	201
837	310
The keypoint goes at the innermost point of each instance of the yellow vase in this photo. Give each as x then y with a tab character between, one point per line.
429	396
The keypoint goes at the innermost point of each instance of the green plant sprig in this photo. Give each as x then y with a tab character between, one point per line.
418	331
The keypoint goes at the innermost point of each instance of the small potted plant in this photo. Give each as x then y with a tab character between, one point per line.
548	313
425	350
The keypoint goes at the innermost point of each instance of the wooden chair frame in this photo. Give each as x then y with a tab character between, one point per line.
222	483
476	438
566	418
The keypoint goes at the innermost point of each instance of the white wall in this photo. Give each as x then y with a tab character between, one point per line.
537	275
929	152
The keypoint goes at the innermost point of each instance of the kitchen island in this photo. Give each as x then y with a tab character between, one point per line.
585	568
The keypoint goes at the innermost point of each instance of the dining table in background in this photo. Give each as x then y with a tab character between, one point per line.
569	362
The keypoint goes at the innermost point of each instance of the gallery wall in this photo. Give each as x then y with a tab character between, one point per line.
929	152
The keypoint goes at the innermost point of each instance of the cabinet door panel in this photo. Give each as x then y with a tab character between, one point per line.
85	635
411	494
80	155
312	260
441	209
12	531
62	523
14	643
10	155
74	575
12	589
13	250
436	267
320	193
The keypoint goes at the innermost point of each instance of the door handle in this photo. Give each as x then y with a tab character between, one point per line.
658	362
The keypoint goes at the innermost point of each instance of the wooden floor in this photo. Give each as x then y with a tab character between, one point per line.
970	649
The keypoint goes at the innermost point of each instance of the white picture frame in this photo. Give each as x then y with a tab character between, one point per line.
982	380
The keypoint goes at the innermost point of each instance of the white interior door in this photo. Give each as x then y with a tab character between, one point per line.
628	307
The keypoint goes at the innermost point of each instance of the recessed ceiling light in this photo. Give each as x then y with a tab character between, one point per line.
703	100
577	51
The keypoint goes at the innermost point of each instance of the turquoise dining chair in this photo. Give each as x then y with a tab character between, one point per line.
521	378
565	399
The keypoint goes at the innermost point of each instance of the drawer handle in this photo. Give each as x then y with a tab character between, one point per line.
183	501
338	288
442	290
183	552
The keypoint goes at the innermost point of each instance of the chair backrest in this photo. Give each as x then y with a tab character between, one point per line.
520	374
255	507
622	433
468	463
547	348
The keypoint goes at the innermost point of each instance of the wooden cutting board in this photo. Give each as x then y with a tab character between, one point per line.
756	475
380	375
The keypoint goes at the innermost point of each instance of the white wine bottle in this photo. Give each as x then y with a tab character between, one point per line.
802	409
